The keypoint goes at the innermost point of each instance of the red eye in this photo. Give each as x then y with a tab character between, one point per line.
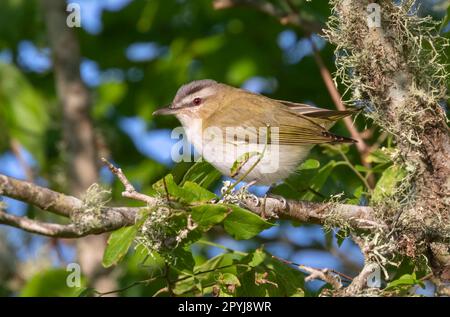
197	101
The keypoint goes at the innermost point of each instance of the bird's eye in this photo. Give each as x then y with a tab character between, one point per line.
197	101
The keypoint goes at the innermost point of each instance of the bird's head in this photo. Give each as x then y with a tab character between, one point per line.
192	98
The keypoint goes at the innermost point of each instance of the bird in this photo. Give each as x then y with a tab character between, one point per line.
248	136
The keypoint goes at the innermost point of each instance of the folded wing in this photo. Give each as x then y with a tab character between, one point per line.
297	124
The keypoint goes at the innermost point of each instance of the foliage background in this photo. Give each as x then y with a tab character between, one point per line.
135	56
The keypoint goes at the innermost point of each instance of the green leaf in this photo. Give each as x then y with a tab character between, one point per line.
358	192
143	257
340	237
446	19
309	165
386	185
405	280
228	283
256	258
319	180
243	224
197	193
207	216
361	168
52	282
118	244
189	193
203	174
183	259
270	277
207	273
23	112
380	156
228	278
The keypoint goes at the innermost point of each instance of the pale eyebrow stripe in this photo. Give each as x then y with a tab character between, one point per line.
204	92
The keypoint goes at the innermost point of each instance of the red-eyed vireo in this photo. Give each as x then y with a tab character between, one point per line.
249	136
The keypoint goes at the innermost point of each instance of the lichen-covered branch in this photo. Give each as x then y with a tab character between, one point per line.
61	204
111	218
41	228
332	214
41	197
395	67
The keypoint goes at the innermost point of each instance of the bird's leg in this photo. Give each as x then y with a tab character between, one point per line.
244	192
271	188
244	189
263	212
248	185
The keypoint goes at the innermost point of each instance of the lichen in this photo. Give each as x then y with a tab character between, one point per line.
91	214
164	230
397	73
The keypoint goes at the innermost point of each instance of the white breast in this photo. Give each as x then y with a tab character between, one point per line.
277	163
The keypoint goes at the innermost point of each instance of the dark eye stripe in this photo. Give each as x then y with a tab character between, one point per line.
194	89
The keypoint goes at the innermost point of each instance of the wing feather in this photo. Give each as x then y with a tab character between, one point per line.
297	125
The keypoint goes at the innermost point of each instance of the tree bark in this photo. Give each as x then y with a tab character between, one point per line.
79	132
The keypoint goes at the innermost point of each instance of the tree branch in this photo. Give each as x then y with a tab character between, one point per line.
359	217
40	197
37	227
116	217
130	191
58	203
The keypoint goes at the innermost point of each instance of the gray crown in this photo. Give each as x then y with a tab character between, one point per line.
192	87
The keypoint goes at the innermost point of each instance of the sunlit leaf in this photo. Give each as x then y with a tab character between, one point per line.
209	215
243	224
386	185
118	244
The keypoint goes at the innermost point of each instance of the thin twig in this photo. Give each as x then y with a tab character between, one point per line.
130	191
301	266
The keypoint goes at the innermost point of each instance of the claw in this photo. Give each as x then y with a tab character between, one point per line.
282	199
284	202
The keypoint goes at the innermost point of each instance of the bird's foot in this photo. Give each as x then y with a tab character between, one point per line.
282	199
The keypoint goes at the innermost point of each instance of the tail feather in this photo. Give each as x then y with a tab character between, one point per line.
334	138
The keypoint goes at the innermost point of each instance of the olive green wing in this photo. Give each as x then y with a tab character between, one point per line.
257	114
325	116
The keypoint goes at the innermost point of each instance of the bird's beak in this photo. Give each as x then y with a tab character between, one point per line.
165	111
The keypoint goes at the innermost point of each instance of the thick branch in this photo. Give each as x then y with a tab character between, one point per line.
37	227
115	217
38	196
359	283
64	205
359	217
